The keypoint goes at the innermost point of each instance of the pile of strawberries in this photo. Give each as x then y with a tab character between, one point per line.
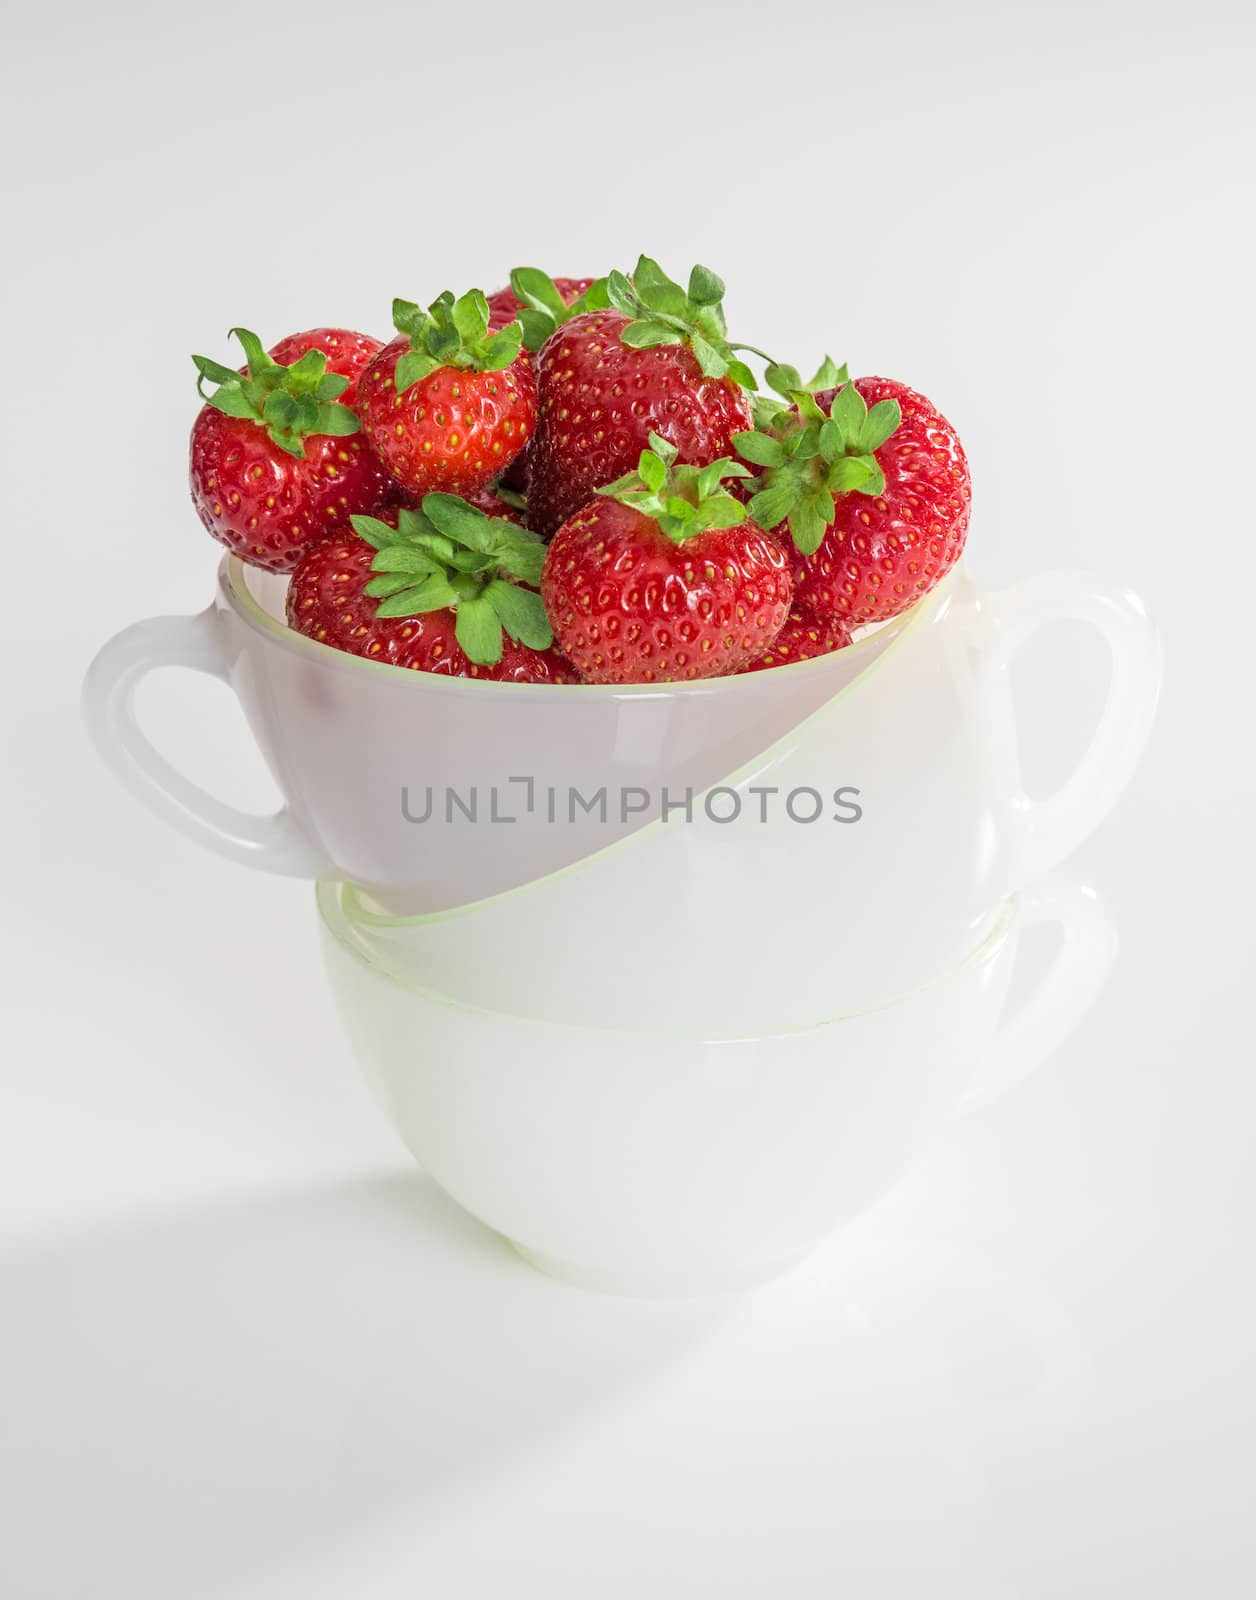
575	481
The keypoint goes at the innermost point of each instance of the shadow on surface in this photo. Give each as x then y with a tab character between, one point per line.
190	1398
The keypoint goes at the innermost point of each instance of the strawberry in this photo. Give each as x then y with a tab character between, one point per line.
657	362
540	303
444	589
449	405
662	577
274	466
875	496
327	599
803	638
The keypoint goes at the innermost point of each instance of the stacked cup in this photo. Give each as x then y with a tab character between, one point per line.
664	982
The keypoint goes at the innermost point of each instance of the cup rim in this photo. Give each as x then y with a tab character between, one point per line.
336	924
233	584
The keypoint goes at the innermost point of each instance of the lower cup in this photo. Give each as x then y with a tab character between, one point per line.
665	1163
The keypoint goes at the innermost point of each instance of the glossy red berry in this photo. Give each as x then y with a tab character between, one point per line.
455	430
628	604
883	553
598	401
266	504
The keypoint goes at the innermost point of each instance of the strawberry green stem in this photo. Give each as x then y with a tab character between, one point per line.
683	500
291	403
451	557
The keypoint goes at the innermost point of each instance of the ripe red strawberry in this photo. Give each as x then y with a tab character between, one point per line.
658	362
873	484
440	590
533	291
541	304
327	599
803	638
274	463
661	577
449	405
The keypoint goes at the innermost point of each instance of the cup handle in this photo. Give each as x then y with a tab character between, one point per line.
276	843
1066	991
1056	826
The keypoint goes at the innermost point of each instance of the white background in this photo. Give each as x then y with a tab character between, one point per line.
246	1351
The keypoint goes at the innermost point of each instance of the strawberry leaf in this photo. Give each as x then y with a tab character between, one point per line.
500	349
522	613
433	594
652	470
594	298
374	531
621	294
851	472
479	631
708	479
405	558
388	584
215	372
775	501
519	553
831	440
705	288
464	524
335	422
713	364
879	424
536	289
648	276
810	521
646	334
232	401
875	484
412	367
761	449
469	315
537	327
784	379
805	444
828	376
722	511
849	411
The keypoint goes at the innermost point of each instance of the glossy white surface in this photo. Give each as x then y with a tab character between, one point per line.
249	1354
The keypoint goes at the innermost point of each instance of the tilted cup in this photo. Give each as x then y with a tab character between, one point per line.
349	739
916	717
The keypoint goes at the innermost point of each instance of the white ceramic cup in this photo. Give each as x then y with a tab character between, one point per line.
751	925
667	1163
916	716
